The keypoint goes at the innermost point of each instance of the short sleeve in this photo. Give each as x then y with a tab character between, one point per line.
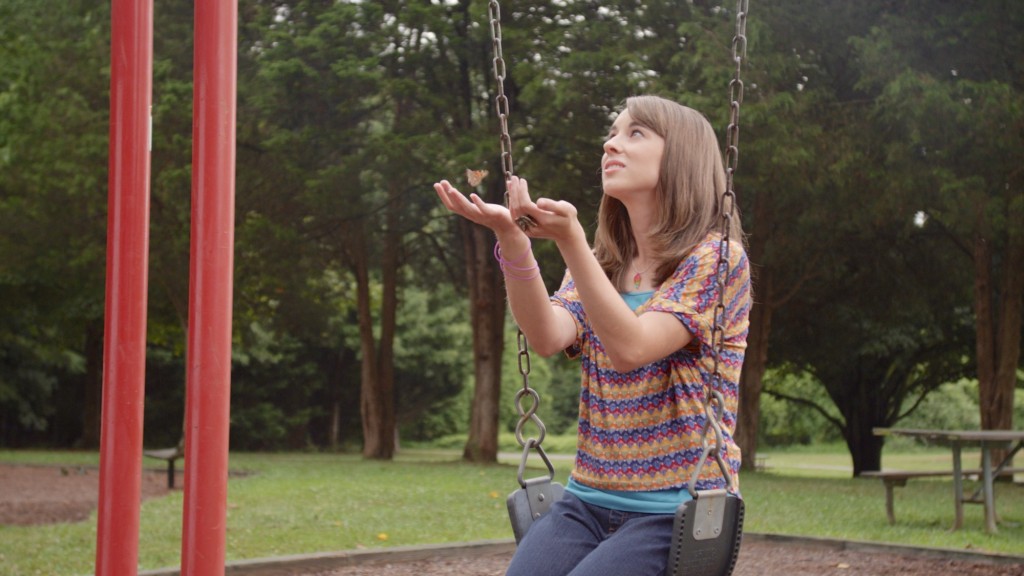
691	293
567	297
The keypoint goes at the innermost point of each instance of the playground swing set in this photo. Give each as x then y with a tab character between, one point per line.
708	528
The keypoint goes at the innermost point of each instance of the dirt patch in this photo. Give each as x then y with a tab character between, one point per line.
50	494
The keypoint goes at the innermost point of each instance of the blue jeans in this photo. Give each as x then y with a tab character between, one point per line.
579	539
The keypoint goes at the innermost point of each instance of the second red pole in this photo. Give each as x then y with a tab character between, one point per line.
210	292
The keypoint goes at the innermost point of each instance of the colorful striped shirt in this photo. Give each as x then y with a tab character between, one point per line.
641	430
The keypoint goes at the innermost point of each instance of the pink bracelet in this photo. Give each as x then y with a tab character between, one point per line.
510	268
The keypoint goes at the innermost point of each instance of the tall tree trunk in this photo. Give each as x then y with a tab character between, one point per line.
368	403
1009	334
985	331
998	319
487	315
862	409
752	378
390	260
756	359
486	291
376	402
865	448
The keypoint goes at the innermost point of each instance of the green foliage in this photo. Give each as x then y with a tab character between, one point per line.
952	406
53	140
273	379
786	422
432	365
26	391
858	117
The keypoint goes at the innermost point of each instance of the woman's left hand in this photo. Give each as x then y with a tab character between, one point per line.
552	219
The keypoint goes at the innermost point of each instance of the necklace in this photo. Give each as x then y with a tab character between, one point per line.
639	274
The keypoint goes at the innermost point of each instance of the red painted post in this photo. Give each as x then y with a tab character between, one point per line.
124	348
210	291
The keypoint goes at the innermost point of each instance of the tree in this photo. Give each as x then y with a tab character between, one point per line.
53	150
951	90
799	127
461	73
349	93
880	329
313	99
830	221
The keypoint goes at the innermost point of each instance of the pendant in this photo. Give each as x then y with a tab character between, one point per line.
636	281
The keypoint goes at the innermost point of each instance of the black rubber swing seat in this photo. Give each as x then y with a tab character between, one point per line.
706	535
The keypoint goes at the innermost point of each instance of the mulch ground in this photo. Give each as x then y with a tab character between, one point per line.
758	557
51	494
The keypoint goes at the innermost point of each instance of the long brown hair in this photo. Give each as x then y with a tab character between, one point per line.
689	194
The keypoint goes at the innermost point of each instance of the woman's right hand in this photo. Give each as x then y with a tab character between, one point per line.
551	219
493	216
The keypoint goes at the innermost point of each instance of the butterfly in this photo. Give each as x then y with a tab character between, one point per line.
475	177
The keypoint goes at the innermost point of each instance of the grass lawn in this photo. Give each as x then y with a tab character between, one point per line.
302	503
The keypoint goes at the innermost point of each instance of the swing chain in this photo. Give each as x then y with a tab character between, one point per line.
500	100
502	108
714	403
527	414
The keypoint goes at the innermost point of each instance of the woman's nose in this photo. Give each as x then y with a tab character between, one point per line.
611	145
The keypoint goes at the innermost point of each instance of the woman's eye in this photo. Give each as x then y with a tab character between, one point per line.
636	132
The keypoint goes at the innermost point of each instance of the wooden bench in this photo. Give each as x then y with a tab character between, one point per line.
170	455
894	478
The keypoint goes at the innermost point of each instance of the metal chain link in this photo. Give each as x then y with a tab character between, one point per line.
502	108
714	403
501	105
530	414
500	100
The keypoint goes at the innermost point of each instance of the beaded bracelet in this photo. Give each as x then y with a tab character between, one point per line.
511	269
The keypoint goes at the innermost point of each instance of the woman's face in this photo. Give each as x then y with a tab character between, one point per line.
631	163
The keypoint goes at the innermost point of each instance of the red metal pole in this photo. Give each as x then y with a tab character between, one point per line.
210	292
124	349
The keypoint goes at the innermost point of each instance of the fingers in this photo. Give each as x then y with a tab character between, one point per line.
557	207
451	197
454	200
442	188
522	209
518	195
544	219
473	208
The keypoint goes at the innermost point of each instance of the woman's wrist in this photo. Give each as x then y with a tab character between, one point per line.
516	260
514	243
575	240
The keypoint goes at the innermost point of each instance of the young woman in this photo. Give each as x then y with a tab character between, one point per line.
639	310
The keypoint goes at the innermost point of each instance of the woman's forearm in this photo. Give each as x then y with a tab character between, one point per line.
547	330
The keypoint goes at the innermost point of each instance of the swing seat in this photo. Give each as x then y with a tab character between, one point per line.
531	502
535	495
706	535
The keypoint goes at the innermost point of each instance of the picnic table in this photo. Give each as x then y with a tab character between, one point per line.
988	440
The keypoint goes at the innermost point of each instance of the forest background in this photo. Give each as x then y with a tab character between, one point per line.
880	182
